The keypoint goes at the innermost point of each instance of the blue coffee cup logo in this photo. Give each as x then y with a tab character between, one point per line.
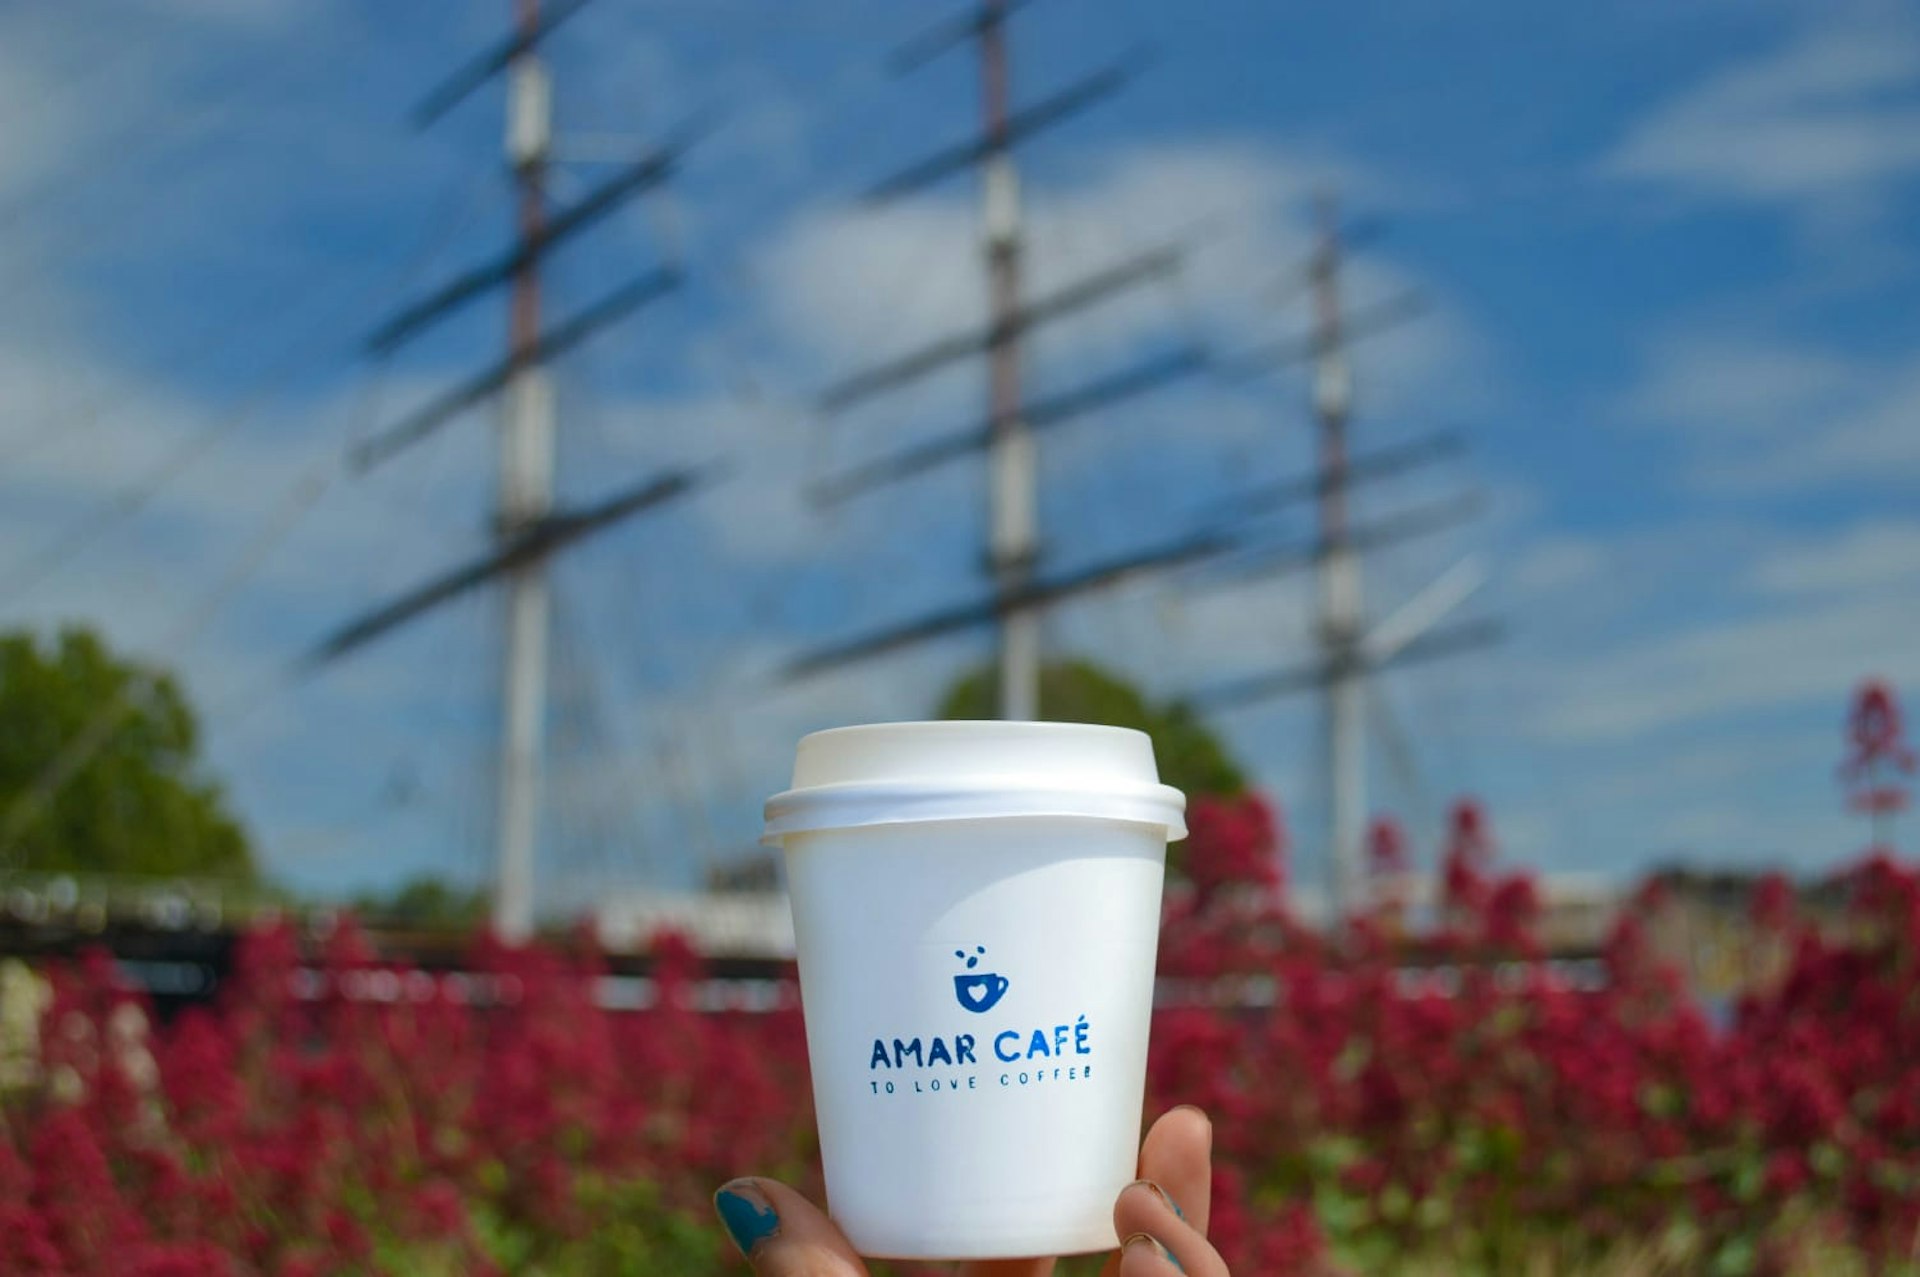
978	991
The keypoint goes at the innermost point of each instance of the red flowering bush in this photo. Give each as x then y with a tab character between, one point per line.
1405	1091
1459	1099
346	1117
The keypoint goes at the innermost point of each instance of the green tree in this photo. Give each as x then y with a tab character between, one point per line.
425	900
142	803
1190	756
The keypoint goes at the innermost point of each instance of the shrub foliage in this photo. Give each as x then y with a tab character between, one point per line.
1414	1095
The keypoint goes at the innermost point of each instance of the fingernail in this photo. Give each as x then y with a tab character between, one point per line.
1197	1111
748	1215
1146	1243
1163	1194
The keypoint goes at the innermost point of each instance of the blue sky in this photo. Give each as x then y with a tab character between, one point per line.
1669	255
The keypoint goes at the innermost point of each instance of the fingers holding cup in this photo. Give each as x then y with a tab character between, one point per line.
1162	1217
1159	1239
1177	1155
781	1233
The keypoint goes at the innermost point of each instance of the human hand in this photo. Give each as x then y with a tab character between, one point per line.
782	1234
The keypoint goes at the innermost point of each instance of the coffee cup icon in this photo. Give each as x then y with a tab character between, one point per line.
978	991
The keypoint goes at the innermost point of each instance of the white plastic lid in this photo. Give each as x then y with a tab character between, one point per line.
898	773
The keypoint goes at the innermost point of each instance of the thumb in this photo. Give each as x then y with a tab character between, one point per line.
781	1233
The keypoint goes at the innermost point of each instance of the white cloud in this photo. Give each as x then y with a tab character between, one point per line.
1705	675
28	153
843	290
851	288
1832	113
91	102
1765	413
1874	442
1553	565
1726	832
1719	384
1686	771
1883	555
1676	688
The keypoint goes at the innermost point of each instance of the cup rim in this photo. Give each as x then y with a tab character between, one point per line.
969	769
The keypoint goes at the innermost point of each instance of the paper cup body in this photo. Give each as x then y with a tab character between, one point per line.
977	991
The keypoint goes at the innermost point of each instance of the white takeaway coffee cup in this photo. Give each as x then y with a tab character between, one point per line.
976	908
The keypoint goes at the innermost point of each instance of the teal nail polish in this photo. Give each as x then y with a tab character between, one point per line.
1164	1196
1144	1240
748	1216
